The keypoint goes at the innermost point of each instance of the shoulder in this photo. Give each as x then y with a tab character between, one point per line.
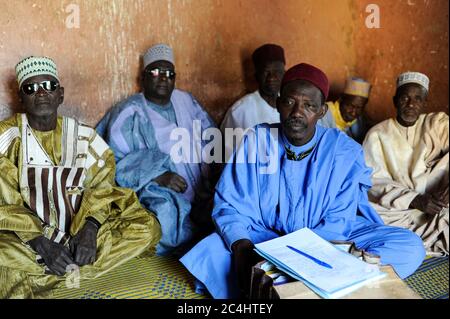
134	101
8	124
381	127
263	130
244	102
129	105
186	99
180	95
436	117
124	111
340	142
97	144
9	131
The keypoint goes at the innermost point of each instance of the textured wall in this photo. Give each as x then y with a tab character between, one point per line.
413	36
99	63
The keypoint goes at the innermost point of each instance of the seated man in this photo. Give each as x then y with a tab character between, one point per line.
59	205
320	182
260	106
409	157
140	131
346	113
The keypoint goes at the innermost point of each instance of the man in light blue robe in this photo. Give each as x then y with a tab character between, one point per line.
320	181
140	130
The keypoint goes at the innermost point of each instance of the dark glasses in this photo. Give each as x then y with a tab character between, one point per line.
157	72
31	88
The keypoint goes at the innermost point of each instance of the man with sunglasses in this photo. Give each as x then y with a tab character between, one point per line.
141	129
60	209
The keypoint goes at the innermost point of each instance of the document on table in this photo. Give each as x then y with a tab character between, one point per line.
327	270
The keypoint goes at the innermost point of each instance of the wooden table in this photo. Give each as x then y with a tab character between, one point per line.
390	287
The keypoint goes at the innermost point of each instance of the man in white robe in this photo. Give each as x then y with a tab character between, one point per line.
409	155
260	106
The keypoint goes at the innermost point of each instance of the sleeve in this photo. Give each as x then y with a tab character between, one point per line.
345	190
385	191
138	157
328	120
236	207
14	216
103	199
229	121
202	115
99	184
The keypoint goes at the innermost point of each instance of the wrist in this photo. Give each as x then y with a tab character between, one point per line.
242	244
92	223
36	243
417	202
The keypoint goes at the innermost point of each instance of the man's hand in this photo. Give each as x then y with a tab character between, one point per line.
244	259
55	256
84	244
429	204
173	181
442	196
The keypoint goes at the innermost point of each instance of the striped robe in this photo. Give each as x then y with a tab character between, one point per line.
49	190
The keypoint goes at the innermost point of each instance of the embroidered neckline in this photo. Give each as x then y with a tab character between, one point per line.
290	154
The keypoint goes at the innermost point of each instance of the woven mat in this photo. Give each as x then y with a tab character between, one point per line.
430	281
165	278
140	278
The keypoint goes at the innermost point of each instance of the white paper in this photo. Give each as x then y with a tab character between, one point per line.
347	269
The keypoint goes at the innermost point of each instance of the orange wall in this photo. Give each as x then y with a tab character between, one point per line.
99	63
413	36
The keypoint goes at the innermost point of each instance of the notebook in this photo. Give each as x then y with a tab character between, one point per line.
324	268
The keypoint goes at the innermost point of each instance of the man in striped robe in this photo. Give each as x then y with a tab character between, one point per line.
61	213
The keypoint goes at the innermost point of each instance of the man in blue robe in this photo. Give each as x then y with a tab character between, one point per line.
142	131
320	182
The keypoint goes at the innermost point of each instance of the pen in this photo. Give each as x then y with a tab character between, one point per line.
317	261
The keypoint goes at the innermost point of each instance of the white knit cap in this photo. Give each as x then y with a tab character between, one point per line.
413	77
158	52
33	66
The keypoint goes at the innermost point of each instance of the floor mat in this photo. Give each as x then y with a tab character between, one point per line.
430	281
140	278
165	278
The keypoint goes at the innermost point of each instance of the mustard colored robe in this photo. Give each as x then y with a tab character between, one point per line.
126	231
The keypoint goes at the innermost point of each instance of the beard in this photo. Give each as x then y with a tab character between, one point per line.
409	116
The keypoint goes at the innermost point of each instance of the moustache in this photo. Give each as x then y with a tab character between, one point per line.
295	122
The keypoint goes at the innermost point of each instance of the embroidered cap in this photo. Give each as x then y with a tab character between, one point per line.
158	52
33	66
413	77
357	87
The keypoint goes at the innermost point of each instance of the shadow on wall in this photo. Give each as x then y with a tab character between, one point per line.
248	71
14	106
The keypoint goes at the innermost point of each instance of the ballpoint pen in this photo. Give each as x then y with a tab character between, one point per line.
317	261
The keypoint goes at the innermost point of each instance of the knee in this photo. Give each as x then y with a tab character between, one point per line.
411	253
417	247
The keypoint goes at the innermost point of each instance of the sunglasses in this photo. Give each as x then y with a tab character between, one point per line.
157	72
48	86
